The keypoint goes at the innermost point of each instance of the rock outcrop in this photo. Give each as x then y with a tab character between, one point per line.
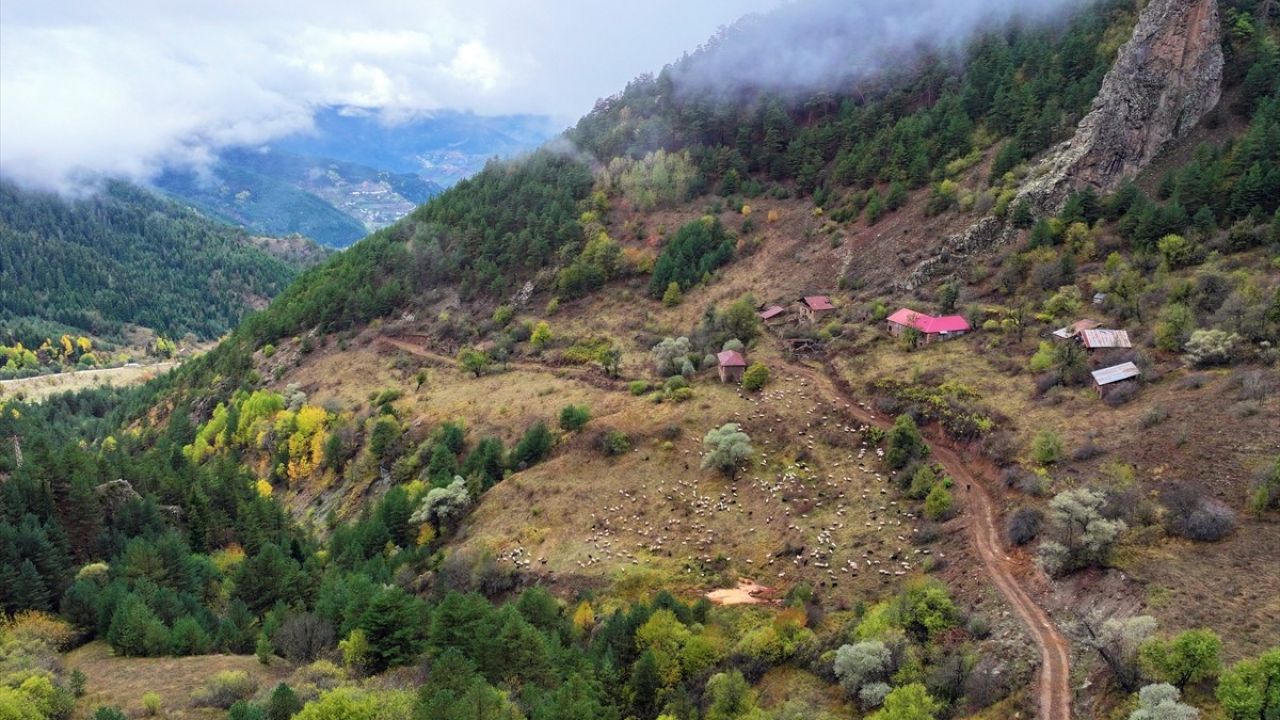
1165	78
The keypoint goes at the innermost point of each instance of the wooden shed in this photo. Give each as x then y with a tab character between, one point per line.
1114	374
1098	339
732	365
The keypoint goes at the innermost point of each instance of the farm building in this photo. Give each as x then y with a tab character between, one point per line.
1097	339
933	328
773	313
732	365
815	307
1114	374
1075	328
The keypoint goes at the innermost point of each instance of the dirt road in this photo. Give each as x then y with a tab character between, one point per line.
1055	658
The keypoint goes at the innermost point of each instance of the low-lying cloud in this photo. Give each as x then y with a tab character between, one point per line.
824	44
123	89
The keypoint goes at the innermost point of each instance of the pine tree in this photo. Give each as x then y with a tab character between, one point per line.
30	591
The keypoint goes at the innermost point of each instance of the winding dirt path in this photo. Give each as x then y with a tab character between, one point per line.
1055	659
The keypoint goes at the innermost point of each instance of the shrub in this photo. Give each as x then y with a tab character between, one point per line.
105	713
727	448
1211	347
1120	393
670	355
639	387
857	665
1047	448
574	417
151	703
1081	536
1024	525
672	296
937	505
1190	515
224	689
905	443
756	377
533	446
303	637
33	625
614	442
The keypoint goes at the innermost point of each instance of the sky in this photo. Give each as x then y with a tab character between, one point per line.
124	88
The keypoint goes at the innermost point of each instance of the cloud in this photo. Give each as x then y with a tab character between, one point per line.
125	88
826	44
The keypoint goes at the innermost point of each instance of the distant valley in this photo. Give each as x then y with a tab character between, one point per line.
352	175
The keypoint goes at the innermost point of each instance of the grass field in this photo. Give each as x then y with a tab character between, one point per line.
42	386
121	682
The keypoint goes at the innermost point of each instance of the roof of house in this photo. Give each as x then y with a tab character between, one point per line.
771	312
927	323
731	358
1105	338
818	302
1076	328
1116	373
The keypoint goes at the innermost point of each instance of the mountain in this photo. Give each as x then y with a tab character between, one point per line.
504	438
324	185
125	257
442	147
280	193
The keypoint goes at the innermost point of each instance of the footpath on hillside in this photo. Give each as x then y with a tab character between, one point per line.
1055	659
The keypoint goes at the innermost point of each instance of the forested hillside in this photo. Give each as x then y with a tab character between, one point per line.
126	257
494	461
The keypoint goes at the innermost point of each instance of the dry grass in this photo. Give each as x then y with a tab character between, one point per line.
38	388
122	681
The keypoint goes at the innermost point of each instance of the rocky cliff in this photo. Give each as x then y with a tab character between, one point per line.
1164	79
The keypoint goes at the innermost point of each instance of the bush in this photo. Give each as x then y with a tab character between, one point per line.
938	503
303	637
1211	347
574	417
614	443
756	377
1120	393
533	446
1192	516
639	387
1024	525
108	713
224	689
1047	448
151	703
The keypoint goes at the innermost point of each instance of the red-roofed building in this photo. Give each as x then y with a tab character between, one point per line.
815	307
732	365
773	312
932	328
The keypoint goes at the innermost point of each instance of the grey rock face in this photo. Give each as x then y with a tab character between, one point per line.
1165	78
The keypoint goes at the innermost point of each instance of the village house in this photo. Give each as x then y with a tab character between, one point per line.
1098	339
931	328
814	307
1106	377
732	365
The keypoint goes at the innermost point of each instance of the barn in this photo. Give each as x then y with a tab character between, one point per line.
815	307
1099	339
1110	376
932	328
732	365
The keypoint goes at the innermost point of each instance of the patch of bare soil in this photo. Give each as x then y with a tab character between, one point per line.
747	592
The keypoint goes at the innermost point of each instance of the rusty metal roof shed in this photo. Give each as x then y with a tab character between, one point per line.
1116	373
1093	339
